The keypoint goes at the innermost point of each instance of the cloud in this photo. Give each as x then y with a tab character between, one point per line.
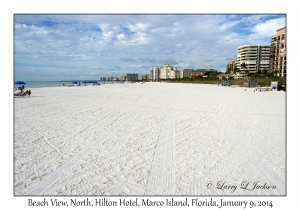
111	72
269	27
234	57
127	59
150	60
190	67
228	24
140	27
117	67
146	67
170	61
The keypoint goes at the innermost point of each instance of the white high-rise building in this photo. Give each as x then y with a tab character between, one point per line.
256	58
154	74
168	72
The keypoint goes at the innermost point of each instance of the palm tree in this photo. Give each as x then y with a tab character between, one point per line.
246	73
228	71
259	72
265	71
236	70
244	66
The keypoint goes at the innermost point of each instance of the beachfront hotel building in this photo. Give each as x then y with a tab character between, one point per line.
256	57
146	77
132	77
168	72
122	78
115	79
186	73
231	66
154	74
278	52
103	79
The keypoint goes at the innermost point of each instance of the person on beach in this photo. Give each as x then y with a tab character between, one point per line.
18	93
21	93
29	93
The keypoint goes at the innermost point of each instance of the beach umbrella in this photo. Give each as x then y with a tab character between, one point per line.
20	83
74	82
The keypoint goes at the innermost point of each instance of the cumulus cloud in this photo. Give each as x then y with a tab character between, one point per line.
268	27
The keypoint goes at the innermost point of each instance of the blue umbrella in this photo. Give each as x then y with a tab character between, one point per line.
74	82
20	83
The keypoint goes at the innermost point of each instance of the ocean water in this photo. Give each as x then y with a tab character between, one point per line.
40	84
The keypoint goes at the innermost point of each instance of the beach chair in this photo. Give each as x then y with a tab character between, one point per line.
20	94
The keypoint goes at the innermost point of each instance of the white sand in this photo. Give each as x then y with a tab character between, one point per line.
149	139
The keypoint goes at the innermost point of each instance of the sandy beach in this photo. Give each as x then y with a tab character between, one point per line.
150	139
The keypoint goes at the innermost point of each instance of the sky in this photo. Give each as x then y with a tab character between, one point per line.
78	47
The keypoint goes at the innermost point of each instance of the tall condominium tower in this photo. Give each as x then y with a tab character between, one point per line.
168	72
256	57
278	52
154	74
132	77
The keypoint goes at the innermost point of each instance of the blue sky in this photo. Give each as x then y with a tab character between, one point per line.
69	47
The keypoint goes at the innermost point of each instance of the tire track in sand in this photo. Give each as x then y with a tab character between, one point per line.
187	150
53	177
238	158
161	180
